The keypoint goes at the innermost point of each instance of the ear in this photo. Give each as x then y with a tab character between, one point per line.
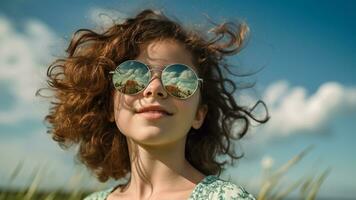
200	116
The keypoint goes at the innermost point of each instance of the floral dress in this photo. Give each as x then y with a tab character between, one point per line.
210	188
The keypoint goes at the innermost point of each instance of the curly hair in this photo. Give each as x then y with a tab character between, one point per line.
82	110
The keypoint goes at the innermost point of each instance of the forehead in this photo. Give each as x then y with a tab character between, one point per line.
163	52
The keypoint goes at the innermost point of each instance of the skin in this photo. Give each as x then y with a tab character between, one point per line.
159	143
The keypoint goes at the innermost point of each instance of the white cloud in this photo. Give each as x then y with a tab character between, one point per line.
24	57
293	111
104	18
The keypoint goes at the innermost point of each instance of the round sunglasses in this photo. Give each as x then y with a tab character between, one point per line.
132	77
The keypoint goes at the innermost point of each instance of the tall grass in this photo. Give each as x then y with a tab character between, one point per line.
33	191
272	187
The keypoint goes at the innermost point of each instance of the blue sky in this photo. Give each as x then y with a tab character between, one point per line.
306	50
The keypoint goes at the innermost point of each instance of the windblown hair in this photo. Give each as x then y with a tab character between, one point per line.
82	110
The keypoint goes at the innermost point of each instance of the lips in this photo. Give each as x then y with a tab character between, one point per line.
154	109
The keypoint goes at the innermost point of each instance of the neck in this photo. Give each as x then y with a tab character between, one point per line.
165	167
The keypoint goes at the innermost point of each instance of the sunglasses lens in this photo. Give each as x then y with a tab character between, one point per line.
180	81
131	77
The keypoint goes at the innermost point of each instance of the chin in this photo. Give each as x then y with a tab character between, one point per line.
149	136
155	139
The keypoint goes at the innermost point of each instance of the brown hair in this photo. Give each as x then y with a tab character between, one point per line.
82	109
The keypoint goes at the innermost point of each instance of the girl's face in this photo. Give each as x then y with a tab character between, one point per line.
167	129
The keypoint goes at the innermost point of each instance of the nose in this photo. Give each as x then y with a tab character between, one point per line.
155	88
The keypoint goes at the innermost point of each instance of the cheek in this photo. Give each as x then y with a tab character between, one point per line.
188	108
123	110
122	102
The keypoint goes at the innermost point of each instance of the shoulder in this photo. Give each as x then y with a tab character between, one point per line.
214	188
100	195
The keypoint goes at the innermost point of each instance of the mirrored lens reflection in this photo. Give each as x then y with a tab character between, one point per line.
131	77
180	81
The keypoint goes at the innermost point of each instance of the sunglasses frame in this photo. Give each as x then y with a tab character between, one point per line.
160	77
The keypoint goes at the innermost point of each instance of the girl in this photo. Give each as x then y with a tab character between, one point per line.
148	100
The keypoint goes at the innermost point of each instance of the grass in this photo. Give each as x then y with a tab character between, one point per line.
272	186
32	191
